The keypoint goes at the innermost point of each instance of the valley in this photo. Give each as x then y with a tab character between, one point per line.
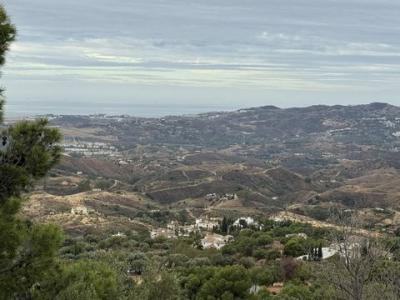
254	162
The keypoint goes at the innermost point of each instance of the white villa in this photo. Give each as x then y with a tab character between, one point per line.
327	252
207	224
215	241
249	221
302	235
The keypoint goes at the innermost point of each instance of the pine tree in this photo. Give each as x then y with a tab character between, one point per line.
224	225
27	151
320	254
7	35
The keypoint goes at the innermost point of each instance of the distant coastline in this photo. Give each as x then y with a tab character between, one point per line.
13	111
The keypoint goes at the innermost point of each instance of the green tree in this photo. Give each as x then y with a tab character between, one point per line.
137	263
7	35
296	246
231	282
157	284
320	253
225	225
83	279
216	283
298	292
27	151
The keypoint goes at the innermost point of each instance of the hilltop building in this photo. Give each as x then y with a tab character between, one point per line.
245	221
207	224
215	241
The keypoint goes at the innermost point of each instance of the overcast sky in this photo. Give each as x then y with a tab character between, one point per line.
202	53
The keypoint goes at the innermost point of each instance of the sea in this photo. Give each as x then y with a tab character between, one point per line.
13	111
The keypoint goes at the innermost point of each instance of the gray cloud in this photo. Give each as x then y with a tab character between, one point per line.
230	53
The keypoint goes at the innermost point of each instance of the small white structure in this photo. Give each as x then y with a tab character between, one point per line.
211	197
186	230
123	163
173	225
215	241
229	197
327	252
248	220
206	224
162	232
119	234
79	210
302	235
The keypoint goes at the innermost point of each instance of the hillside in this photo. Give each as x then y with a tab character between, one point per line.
257	160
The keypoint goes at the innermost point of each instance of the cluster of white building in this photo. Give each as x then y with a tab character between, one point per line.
90	149
245	221
174	229
224	197
217	241
207	224
202	225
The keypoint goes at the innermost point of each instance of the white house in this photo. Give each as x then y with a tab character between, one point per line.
216	241
206	224
302	235
249	221
327	252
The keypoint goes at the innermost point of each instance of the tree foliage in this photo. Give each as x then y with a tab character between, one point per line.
211	283
29	150
7	35
84	279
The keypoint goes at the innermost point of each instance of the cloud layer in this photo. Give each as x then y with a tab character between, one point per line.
231	53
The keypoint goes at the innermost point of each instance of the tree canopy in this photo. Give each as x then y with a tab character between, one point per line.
29	149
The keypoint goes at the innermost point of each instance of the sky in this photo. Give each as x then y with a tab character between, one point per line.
152	57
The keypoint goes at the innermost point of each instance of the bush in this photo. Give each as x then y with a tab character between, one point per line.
296	246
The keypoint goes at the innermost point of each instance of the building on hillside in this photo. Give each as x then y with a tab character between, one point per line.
216	241
173	225
211	197
207	224
162	232
179	230
186	230
224	197
327	252
301	234
243	222
119	234
80	210
352	248
280	218
229	196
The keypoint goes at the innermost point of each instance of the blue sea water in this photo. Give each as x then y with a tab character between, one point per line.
13	111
